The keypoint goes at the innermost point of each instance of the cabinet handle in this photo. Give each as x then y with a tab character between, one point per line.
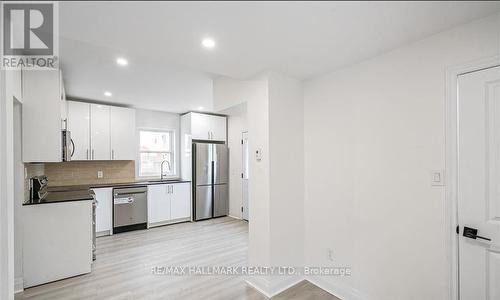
87	154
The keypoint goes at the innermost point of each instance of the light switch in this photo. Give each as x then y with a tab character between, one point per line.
100	174
437	177
258	154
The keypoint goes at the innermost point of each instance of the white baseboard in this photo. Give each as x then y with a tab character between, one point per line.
234	217
18	285
273	287
341	292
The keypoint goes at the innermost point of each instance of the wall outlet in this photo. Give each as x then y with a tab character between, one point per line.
100	174
329	254
437	177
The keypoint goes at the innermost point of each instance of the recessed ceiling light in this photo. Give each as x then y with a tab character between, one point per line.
122	61
208	43
108	94
200	108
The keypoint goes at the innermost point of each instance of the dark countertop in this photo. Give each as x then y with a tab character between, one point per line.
66	196
58	194
86	187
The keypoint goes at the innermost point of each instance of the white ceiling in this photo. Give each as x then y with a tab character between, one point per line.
169	70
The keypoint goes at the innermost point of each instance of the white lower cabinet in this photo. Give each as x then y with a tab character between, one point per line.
158	203
169	203
104	211
180	201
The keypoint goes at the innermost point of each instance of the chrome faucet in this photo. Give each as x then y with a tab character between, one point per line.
161	168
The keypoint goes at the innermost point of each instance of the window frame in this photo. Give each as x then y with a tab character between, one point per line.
172	152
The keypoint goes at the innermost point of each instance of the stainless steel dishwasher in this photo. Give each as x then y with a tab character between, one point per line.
130	208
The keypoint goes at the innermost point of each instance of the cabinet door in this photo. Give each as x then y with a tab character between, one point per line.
180	203
158	203
104	209
64	104
123	133
41	116
79	126
200	126
99	132
218	128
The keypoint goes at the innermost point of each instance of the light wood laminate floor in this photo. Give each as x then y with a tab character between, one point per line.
123	269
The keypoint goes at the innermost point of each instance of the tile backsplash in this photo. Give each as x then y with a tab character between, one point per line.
85	172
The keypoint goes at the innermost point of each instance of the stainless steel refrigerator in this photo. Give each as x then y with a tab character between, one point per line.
210	180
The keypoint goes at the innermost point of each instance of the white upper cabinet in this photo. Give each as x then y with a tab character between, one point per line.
63	102
218	128
79	126
100	132
207	127
41	116
123	133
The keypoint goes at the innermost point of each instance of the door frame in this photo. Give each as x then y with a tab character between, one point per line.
451	166
243	132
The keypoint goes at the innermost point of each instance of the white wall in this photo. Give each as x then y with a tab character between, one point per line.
275	127
159	120
237	123
286	159
373	132
6	187
19	197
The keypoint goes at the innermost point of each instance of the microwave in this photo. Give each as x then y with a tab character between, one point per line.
68	147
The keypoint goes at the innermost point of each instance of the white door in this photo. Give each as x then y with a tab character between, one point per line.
180	200
123	138
158	203
479	184
99	132
79	126
244	176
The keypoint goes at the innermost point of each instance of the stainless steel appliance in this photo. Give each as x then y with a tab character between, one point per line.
210	180
38	187
68	147
130	210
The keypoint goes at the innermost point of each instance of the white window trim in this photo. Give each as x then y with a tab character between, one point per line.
175	172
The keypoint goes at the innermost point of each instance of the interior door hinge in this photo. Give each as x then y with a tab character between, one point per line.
457	229
242	142
241	175
242	209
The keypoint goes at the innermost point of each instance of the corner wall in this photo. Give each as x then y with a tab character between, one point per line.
6	188
373	132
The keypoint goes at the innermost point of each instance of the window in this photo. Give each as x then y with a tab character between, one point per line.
154	148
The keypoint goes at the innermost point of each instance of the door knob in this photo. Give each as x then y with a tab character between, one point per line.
472	234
